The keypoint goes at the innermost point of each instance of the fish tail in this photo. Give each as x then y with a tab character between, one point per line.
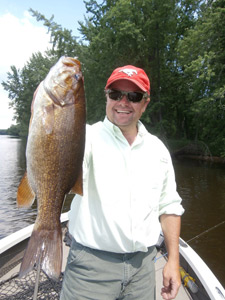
44	247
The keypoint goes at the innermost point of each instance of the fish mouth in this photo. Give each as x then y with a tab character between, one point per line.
71	61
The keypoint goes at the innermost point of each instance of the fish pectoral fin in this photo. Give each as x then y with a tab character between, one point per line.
25	194
78	186
48	118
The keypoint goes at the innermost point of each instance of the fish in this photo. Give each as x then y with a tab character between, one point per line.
54	157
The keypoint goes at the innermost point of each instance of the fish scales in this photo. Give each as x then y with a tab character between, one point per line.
54	156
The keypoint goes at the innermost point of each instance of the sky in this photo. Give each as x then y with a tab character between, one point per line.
21	35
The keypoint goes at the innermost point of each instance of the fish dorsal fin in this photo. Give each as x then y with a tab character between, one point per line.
78	186
25	194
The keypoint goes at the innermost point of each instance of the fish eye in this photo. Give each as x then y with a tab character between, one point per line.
77	76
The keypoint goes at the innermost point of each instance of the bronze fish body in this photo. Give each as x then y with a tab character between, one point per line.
54	154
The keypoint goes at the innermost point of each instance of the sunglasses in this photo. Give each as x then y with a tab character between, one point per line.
131	96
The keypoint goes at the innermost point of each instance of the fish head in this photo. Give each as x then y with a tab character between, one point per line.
64	81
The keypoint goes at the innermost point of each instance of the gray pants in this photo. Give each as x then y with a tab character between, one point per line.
100	275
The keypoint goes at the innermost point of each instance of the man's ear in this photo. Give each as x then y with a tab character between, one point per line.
146	104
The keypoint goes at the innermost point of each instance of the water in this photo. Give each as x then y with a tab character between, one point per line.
201	185
12	168
202	188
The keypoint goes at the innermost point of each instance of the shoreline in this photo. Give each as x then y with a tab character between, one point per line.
207	158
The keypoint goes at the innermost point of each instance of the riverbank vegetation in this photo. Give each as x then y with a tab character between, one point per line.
179	43
12	130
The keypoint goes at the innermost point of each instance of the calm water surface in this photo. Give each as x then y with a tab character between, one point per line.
202	188
201	185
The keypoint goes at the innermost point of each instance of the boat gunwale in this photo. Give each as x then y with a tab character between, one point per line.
21	235
207	278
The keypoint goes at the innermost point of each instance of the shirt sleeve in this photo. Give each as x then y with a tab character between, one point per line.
170	201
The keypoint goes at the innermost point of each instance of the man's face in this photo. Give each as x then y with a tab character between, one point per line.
123	113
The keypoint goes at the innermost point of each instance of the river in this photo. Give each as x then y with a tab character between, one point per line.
200	184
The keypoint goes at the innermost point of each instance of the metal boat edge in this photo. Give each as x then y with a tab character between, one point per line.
21	235
204	274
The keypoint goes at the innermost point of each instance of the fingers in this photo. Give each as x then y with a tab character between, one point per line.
171	284
169	292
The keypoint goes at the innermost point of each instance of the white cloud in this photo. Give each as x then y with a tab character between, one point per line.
19	39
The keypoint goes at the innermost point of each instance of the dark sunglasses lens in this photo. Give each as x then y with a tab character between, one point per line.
115	95
135	96
132	96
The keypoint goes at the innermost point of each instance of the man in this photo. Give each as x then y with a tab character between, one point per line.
129	189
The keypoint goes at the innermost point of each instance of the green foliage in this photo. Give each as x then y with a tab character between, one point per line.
21	85
3	132
179	43
14	130
175	145
63	43
138	32
203	70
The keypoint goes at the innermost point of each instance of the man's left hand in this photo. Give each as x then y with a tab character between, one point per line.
171	281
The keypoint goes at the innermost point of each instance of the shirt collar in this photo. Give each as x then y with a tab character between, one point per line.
116	130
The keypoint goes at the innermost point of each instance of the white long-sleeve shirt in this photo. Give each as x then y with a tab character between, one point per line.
126	189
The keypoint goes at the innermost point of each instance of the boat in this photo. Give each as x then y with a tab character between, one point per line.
198	281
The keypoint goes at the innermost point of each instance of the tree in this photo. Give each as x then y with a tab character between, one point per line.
180	45
21	85
13	130
118	33
203	70
63	42
140	32
143	33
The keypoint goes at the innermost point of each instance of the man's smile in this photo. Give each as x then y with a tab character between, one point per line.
120	111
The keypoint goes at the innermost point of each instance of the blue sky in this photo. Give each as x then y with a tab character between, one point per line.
21	35
66	12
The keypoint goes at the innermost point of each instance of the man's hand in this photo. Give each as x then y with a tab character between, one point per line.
171	281
171	275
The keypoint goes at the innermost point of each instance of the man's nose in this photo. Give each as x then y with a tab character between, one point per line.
124	100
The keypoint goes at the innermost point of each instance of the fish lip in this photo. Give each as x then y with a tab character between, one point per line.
71	61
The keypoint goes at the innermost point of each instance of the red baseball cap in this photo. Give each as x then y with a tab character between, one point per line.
131	73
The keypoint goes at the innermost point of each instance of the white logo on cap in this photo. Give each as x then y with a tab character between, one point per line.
129	72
